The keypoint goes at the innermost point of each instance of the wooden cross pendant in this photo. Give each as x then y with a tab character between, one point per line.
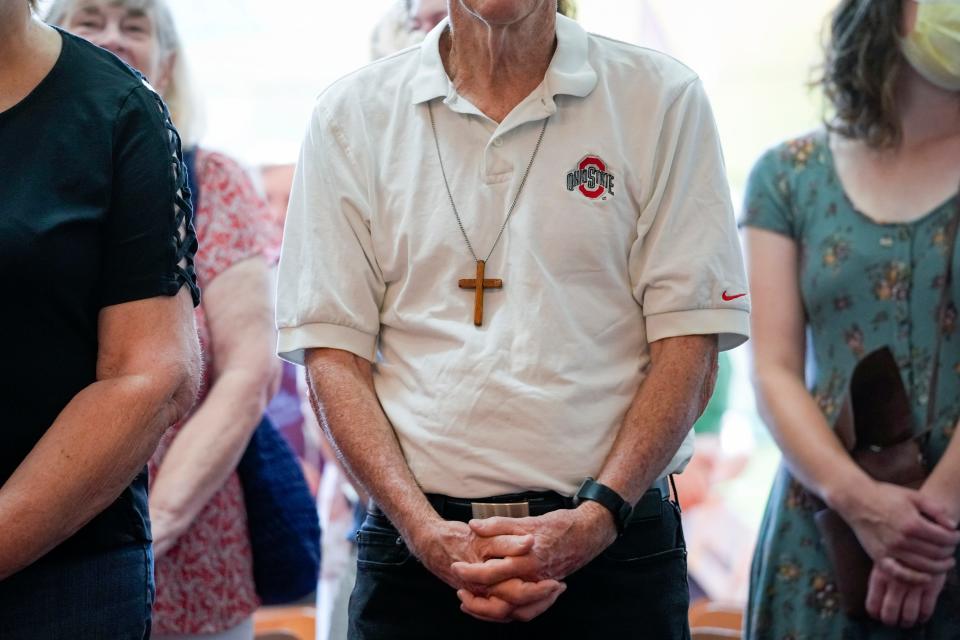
479	284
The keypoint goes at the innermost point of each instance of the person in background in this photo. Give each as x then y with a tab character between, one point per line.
277	180
96	248
338	503
847	235
285	408
204	567
424	15
405	24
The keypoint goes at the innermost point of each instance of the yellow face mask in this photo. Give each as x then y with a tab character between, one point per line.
933	47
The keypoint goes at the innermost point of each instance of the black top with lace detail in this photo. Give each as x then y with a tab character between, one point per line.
94	211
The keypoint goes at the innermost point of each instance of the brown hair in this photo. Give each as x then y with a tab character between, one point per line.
860	71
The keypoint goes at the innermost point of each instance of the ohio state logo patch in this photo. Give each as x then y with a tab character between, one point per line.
591	178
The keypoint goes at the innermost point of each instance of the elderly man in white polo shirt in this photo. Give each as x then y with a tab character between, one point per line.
510	260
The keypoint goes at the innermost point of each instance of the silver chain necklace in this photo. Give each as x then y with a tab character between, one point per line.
513	205
479	283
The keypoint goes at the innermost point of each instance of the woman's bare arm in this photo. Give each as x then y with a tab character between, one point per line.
943	484
238	305
889	520
148	368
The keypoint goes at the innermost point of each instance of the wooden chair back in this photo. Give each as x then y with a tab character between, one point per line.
706	613
713	633
285	623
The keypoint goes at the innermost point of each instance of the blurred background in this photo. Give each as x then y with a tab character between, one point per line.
258	66
260	63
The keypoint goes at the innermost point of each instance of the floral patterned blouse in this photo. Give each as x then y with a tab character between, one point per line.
864	285
205	581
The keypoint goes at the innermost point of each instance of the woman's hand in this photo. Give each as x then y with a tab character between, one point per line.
166	529
897	603
244	374
907	530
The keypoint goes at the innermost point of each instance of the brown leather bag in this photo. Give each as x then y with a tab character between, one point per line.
877	428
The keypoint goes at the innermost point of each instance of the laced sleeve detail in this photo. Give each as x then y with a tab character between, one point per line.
184	239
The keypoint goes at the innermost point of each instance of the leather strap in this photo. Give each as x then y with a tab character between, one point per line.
600	493
451	508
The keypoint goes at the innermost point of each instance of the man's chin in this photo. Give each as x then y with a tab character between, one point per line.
502	13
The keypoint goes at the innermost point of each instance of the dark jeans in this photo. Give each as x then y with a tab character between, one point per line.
637	588
101	596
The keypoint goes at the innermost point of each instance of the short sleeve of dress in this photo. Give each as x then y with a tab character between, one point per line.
767	200
232	219
149	240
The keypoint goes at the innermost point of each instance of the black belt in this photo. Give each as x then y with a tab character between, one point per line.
648	507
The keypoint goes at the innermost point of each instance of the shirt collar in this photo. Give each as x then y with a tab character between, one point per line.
569	73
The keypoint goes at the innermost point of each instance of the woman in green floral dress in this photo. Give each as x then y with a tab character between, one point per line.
847	236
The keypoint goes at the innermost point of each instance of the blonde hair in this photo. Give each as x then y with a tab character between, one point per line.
178	94
567	8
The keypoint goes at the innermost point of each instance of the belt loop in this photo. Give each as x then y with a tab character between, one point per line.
676	496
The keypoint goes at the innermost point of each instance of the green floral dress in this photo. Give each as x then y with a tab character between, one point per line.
864	286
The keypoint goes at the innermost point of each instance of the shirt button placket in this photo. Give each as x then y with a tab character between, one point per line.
905	307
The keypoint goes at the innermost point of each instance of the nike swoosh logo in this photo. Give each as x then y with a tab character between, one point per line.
727	298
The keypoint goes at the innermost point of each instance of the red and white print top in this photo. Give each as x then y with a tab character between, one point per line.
205	581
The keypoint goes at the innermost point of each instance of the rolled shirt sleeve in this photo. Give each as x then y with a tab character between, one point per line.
330	288
686	267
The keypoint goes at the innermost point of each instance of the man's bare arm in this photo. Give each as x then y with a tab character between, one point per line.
678	386
344	399
675	392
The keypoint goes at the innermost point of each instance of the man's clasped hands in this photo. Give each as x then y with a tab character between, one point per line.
512	569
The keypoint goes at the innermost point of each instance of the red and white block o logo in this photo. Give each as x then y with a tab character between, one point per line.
591	178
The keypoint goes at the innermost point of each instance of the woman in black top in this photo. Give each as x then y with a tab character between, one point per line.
100	352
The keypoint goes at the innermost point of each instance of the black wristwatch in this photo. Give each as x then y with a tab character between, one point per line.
593	490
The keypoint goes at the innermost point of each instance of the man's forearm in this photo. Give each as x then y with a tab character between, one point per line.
92	451
341	389
669	401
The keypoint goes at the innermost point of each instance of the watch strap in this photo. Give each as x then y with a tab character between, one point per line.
590	489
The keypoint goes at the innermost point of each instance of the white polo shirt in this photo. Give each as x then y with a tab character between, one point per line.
624	235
